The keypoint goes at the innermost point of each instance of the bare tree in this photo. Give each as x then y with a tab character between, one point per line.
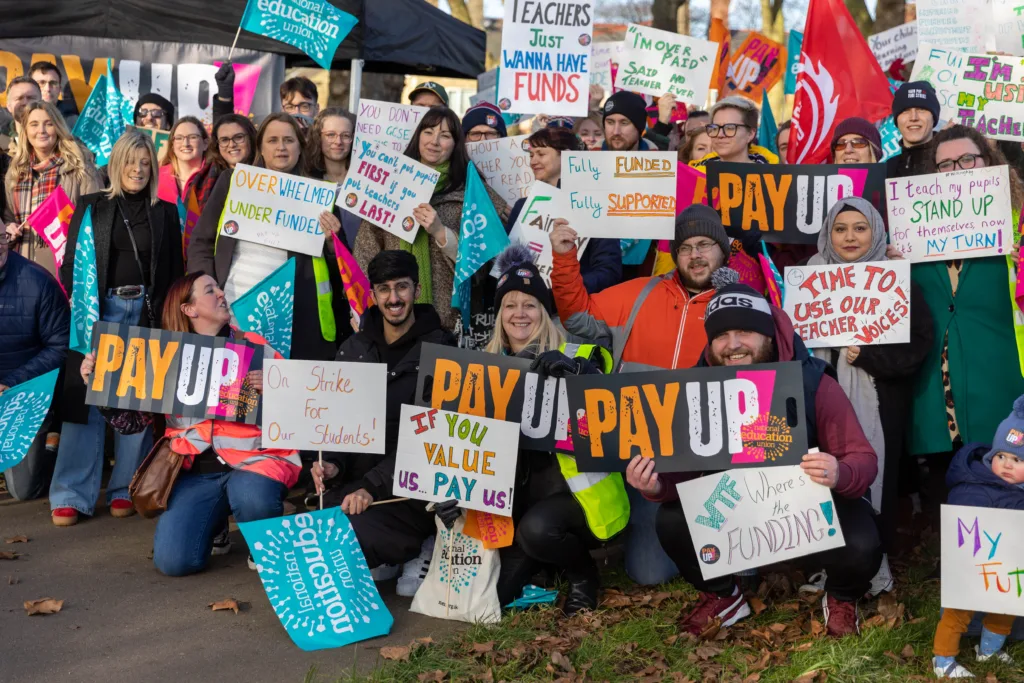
889	13
624	11
665	14
861	16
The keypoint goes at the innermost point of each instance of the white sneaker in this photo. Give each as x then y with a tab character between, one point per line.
1001	655
384	572
251	563
882	581
415	571
954	670
221	543
815	584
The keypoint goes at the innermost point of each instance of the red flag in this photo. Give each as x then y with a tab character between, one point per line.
838	77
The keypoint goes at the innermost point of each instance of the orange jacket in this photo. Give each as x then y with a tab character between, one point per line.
669	329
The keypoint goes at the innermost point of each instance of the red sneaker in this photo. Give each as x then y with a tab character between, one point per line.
64	517
841	617
710	606
119	507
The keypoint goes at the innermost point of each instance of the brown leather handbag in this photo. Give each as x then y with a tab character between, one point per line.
151	486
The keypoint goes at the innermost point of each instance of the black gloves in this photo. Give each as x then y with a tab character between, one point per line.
556	364
225	78
448	512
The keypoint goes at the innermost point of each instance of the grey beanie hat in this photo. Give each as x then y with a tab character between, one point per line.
700	220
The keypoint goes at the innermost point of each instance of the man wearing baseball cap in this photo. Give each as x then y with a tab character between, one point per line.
916	110
625	123
429	94
744	329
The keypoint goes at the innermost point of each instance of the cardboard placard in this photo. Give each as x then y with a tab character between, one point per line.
855	304
174	373
545	57
899	42
963	25
982	559
383	187
656	62
755	66
602	58
388	124
1008	26
277	209
533	228
743	519
504	164
324	405
944	216
443	456
689	420
620	194
788	204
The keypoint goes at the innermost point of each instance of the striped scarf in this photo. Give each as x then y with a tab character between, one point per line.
34	187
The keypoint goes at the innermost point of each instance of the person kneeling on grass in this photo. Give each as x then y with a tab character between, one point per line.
980	476
744	329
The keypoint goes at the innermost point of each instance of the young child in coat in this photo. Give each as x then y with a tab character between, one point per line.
993	477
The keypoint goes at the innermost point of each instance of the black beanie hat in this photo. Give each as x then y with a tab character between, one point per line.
630	105
736	306
700	220
519	274
158	100
918	94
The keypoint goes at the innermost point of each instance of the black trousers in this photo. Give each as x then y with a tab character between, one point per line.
393	533
849	569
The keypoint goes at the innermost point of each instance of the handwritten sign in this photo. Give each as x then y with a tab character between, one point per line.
603	58
620	194
699	419
23	408
850	304
788	204
316	578
1008	26
533	228
443	456
504	164
174	373
899	42
982	559
962	25
383	187
656	62
545	57
963	214
388	124
277	209
742	519
324	406
756	65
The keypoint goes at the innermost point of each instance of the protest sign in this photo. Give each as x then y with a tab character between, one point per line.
50	220
980	91
850	304
793	47
603	57
443	456
615	194
545	57
1008	26
751	415
755	67
277	209
656	62
384	187
174	373
324	405
982	559
504	164
23	408
533	228
899	42
316	578
314	26
789	203
104	118
161	140
268	309
961	25
743	519
943	216
386	123
85	296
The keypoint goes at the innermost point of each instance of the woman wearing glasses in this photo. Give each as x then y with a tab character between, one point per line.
185	164
856	141
328	153
733	133
233	141
973	372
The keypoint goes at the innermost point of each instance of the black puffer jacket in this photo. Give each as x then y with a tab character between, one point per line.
910	161
36	321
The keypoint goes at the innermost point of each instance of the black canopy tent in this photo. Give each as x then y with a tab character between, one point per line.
392	36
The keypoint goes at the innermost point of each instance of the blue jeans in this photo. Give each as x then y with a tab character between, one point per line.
198	509
646	562
79	468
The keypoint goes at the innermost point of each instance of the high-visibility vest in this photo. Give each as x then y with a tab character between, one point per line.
602	495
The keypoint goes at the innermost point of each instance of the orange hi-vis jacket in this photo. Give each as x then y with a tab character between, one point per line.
239	445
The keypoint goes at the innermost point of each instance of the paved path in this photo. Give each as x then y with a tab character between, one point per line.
123	621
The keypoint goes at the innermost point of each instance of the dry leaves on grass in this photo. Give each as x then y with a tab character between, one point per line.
396	653
436	675
228	604
561	662
908	651
43	606
757	604
16	539
8	555
483	648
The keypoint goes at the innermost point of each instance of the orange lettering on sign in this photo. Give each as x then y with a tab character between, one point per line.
663	410
109	356
730	195
161	363
601	417
447	381
501	393
472	401
753	204
778	188
134	373
633	429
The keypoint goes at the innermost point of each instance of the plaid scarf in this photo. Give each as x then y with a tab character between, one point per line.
29	192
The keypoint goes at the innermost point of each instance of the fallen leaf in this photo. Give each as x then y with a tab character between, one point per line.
908	651
616	600
671	640
562	662
43	606
817	628
757	604
485	677
889	608
893	656
481	648
877	620
395	653
991	678
778	628
436	675
807	677
8	555
706	652
17	539
227	604
752	678
425	641
803	647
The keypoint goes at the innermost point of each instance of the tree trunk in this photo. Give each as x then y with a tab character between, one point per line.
664	14
460	11
476	13
889	13
861	16
683	19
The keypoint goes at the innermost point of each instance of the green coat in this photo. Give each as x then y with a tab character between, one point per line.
984	368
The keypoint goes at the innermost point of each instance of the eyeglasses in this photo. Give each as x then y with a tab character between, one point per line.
400	288
236	139
334	137
727	130
704	248
301	107
486	135
155	114
858	143
191	139
965	162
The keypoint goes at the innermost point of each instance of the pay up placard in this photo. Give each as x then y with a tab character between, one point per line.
383	187
713	418
944	216
324	406
982	559
743	519
444	456
504	164
277	209
620	194
655	62
850	304
533	228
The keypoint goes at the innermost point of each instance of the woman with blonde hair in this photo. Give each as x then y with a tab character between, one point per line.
590	129
137	240
46	157
185	166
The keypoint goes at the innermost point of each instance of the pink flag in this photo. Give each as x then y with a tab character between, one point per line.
691	188
357	287
51	220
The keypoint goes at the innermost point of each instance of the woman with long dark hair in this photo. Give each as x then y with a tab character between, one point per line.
232	141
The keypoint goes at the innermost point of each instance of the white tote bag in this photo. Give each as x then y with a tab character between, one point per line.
462	582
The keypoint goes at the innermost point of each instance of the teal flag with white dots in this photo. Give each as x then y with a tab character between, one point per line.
22	410
104	118
314	26
481	238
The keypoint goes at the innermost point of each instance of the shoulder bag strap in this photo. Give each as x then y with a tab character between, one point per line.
138	262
